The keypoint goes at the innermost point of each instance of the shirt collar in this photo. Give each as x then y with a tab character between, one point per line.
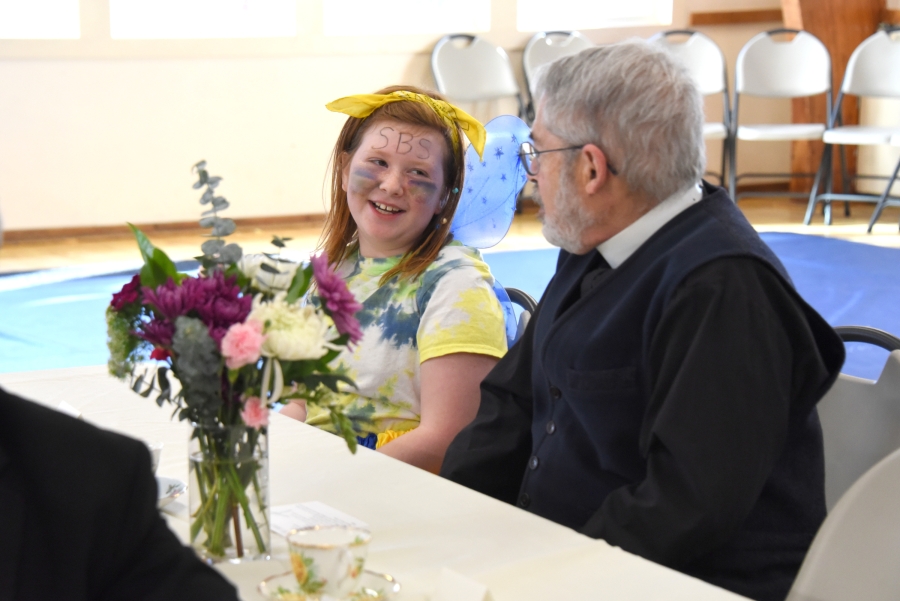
617	249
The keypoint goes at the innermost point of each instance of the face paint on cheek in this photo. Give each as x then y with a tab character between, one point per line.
422	192
362	181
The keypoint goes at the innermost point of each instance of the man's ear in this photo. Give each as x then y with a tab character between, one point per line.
345	169
595	171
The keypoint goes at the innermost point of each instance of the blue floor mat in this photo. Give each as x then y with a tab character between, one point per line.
61	324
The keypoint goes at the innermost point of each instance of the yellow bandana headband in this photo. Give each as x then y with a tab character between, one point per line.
363	105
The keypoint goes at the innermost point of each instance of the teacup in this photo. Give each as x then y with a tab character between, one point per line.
328	560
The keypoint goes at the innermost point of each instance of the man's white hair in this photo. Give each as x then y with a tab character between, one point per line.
637	104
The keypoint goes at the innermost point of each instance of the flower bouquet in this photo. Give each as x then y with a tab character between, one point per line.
243	333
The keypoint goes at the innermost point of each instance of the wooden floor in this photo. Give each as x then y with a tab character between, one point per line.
768	214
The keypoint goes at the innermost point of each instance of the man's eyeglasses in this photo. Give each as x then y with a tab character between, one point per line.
529	155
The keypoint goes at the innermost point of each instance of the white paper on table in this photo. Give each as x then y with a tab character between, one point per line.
453	586
285	518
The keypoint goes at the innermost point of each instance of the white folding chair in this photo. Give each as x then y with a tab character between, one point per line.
873	70
860	418
545	47
468	68
854	554
705	62
773	68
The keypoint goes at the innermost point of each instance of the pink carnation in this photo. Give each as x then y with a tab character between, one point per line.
255	413
338	302
242	343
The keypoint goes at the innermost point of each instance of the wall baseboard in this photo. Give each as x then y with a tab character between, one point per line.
119	231
736	17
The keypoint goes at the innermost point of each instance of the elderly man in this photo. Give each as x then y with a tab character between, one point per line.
663	395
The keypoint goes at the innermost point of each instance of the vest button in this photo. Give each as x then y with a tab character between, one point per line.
551	427
555	393
524	500
533	462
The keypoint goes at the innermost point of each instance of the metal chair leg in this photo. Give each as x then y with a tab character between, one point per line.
732	170
845	179
882	201
811	207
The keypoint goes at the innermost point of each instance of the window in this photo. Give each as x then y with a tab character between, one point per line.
544	15
194	19
399	17
39	20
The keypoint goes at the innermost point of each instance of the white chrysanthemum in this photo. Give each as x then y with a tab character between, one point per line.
292	332
250	266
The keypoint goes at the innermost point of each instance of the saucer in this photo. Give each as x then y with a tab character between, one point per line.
373	587
169	489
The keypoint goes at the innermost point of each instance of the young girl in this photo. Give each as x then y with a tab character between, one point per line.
432	326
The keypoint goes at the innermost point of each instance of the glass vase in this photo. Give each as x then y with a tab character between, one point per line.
229	492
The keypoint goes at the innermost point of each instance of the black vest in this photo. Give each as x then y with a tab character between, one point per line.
590	397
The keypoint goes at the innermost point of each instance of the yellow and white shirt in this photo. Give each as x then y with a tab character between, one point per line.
450	308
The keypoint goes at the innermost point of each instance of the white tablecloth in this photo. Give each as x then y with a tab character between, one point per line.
420	523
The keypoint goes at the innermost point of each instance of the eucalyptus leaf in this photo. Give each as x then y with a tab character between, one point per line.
198	363
207	197
224	227
208	221
213	182
200	165
212	247
232	253
220	203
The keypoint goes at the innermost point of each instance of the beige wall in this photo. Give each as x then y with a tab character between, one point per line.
99	132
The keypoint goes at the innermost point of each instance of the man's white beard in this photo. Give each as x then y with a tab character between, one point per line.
570	219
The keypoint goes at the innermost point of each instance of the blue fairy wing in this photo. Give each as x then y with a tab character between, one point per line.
488	201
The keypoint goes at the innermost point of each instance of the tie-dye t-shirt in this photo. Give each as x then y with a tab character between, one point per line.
450	308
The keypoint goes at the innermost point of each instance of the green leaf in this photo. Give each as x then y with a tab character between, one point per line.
136	386
146	247
299	285
276	258
329	380
158	267
344	428
146	393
